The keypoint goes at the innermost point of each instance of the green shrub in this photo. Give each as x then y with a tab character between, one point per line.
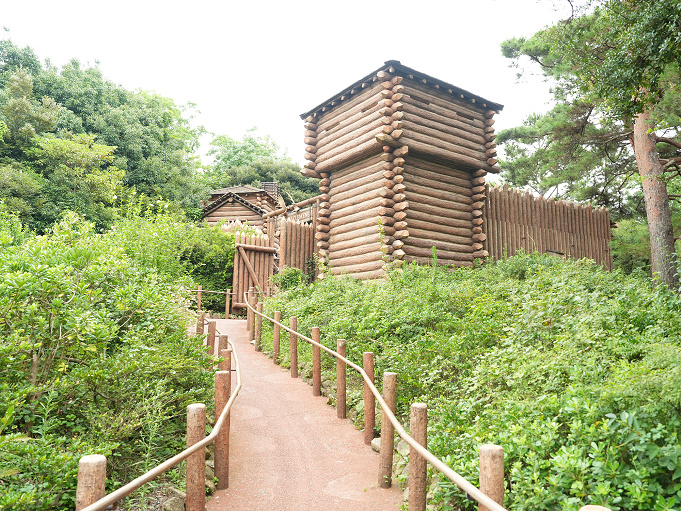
572	369
94	358
289	278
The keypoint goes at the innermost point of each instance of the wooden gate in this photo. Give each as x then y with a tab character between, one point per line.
253	266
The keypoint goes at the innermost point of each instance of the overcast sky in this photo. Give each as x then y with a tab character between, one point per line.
263	63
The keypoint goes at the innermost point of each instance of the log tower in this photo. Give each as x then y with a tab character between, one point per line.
410	153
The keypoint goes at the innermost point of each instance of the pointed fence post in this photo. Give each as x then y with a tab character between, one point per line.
196	463
417	465
492	473
276	337
316	363
385	470
91	480
293	345
340	381
223	390
369	399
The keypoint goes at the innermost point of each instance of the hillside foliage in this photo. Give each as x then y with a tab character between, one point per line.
572	369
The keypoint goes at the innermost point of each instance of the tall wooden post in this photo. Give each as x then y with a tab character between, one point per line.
196	463
258	326
210	340
198	299
316	363
227	304
223	390
417	464
369	399
341	398
200	324
91	480
385	465
249	313
293	345
276	337
492	473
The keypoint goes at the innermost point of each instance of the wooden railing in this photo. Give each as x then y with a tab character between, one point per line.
90	493
491	456
490	495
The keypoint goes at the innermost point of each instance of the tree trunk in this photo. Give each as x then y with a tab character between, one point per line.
662	254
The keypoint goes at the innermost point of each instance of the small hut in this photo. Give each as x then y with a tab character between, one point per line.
405	151
244	203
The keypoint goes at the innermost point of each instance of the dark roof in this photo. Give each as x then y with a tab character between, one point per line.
225	198
238	189
395	67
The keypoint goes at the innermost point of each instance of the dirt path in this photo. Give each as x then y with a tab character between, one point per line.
288	451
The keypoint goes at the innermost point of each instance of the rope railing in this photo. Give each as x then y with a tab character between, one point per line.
124	491
447	471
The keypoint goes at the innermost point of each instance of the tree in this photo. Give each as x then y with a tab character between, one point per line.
255	160
621	56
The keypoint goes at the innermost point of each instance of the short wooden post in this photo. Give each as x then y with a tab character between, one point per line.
223	389
369	399
227	304
316	363
293	344
91	480
198	299
417	464
196	463
385	466
200	324
492	473
276	337
258	327
223	342
226	356
340	381
210	340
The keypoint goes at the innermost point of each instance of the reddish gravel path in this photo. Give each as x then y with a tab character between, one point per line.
288	451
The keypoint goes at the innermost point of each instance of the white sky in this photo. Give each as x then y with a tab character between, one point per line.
263	63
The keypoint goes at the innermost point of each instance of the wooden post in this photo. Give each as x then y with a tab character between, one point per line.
91	480
385	466
227	299
226	356
276	337
223	389
249	314
253	301
316	364
223	343
210	340
198	299
196	463
340	381
417	465
369	399
492	473
294	347
199	324
258	327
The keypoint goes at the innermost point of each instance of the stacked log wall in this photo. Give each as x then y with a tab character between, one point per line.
231	211
517	220
440	213
354	199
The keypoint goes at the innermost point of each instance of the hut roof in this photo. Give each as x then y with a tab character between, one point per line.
238	189
225	197
395	67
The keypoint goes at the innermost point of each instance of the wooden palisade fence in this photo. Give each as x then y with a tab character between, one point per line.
490	495
253	265
515	220
90	493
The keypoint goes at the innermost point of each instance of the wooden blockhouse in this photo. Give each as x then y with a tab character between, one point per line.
410	151
244	203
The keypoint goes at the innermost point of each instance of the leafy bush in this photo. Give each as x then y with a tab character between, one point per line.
94	358
572	369
289	278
